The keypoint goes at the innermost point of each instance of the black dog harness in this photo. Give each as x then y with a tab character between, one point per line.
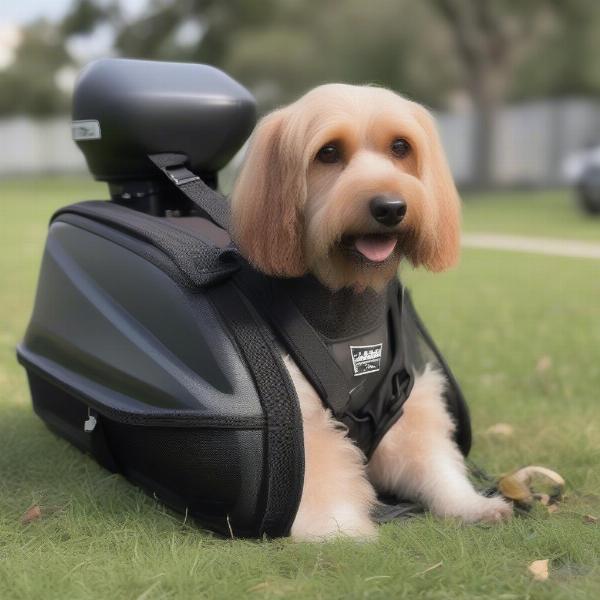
348	345
360	351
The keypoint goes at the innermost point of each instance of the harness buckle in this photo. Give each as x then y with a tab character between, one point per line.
180	175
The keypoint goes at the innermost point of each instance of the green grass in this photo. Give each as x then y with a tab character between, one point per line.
543	214
495	317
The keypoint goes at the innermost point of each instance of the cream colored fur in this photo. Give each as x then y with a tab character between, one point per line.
337	496
416	459
290	215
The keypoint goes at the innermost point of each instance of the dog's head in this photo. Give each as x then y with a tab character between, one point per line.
344	183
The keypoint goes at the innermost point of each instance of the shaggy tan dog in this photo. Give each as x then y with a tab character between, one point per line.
344	184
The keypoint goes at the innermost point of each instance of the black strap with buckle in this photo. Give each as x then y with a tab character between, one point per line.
214	204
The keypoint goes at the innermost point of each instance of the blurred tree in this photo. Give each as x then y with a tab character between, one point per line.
491	39
565	62
85	15
158	33
29	85
315	41
281	48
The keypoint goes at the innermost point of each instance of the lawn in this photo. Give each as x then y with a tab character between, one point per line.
522	333
532	213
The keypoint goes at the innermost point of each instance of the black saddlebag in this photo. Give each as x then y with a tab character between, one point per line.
142	352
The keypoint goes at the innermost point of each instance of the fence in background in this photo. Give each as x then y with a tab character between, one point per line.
29	147
532	140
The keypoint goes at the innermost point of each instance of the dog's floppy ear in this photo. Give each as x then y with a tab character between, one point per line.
443	249
268	199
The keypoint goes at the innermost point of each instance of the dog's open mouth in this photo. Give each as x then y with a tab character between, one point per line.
372	247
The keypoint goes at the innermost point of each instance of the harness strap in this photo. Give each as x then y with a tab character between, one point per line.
309	352
454	397
215	205
298	336
284	456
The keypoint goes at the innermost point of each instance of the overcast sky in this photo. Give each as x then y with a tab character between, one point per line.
23	11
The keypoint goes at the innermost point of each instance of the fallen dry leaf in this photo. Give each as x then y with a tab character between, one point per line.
502	429
33	513
517	485
526	474
543	364
514	489
590	519
539	569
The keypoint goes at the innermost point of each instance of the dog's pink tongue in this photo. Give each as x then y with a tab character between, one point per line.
375	247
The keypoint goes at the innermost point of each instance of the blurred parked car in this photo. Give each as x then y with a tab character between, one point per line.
582	170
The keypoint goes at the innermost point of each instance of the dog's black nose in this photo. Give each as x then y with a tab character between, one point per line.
387	210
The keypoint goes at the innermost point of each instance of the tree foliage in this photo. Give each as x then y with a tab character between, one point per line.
29	84
432	51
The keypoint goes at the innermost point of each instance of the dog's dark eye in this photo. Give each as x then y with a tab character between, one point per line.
329	154
400	147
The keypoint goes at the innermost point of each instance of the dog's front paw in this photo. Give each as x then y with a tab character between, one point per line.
479	509
487	510
322	527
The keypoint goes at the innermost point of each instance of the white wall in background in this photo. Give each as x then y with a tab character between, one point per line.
532	141
30	147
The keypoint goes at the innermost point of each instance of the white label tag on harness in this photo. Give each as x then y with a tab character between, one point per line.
85	130
366	359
